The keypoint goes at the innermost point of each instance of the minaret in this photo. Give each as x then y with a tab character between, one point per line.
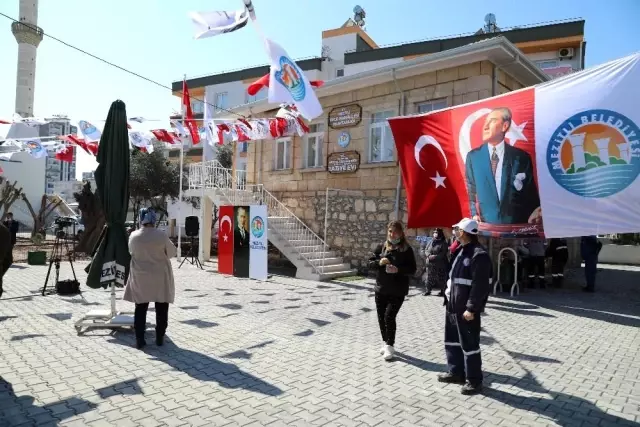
577	147
603	149
625	151
28	35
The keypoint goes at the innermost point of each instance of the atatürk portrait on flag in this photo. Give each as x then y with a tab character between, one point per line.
500	176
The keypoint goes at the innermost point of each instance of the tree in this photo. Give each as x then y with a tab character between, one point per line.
9	193
153	180
47	207
92	218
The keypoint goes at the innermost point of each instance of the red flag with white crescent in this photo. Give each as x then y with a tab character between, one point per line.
475	160
225	240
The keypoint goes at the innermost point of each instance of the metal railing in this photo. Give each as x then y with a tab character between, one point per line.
235	190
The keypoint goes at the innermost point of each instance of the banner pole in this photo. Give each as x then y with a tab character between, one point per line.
184	79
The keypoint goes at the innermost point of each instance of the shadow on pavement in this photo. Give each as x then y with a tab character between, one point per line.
205	368
21	410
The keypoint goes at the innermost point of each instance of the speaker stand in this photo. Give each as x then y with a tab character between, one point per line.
192	256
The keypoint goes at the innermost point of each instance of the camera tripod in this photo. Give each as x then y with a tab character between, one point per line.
192	255
60	250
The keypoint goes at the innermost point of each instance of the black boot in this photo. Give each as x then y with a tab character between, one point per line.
470	389
449	378
140	343
159	339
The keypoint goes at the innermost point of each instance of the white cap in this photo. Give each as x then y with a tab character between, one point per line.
467	225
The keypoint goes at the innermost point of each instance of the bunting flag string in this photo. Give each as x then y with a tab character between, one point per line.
287	122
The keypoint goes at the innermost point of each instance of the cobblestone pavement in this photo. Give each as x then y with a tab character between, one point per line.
292	352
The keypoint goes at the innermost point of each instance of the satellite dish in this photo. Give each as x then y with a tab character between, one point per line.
358	15
490	19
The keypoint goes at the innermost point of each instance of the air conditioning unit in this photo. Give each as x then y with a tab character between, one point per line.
565	53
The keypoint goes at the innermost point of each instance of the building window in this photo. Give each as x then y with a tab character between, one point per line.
282	154
551	63
313	142
262	94
222	100
197	106
380	137
340	72
244	146
429	106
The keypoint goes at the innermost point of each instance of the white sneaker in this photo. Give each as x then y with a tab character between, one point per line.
383	349
389	351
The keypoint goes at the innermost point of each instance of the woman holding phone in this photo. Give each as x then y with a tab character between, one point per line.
395	263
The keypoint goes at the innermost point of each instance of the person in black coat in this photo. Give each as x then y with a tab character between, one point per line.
6	255
466	295
395	264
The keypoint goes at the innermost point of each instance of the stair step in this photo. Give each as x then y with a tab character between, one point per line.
319	262
337	274
315	255
335	267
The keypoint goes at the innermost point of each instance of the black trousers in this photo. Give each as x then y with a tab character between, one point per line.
462	346
140	319
535	266
5	263
388	308
557	270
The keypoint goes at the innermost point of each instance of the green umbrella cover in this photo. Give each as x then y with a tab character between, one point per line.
110	264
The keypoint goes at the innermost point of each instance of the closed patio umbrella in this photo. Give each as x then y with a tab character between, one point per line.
110	264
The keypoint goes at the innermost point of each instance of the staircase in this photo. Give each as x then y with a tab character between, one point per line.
313	259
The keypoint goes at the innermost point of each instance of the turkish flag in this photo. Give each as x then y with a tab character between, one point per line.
430	169
163	135
449	171
188	119
65	154
225	240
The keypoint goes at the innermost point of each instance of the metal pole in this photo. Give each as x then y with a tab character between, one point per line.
326	222
180	190
202	201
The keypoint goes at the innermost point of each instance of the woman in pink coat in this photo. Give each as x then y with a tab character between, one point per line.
150	276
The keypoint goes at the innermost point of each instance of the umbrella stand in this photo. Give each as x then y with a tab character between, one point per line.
105	319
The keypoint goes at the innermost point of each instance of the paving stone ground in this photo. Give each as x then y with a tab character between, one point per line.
301	353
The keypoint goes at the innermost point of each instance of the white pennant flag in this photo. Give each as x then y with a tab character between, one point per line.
288	84
209	24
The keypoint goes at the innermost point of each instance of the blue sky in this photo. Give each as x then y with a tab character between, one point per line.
155	38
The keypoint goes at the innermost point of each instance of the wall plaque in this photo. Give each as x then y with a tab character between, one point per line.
345	162
345	117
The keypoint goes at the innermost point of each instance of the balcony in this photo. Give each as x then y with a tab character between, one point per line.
27	33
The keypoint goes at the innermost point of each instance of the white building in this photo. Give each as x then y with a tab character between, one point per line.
57	170
65	190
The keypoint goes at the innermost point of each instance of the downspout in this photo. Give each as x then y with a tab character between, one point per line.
402	113
258	159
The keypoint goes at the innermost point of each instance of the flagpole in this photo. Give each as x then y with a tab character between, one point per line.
202	181
184	79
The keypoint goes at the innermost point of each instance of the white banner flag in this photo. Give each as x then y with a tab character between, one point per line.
288	84
587	129
258	242
209	24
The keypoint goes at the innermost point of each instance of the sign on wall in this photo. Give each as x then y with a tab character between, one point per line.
348	161
345	116
344	139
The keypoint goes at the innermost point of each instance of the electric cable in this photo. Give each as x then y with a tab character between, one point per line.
133	73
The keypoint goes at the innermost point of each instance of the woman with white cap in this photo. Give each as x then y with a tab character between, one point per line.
150	276
466	295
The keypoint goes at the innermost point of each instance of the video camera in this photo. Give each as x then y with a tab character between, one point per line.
61	223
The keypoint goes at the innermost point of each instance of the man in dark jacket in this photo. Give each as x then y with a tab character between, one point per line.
13	227
467	292
6	257
590	249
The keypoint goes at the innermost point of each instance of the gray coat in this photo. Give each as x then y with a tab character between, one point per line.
151	274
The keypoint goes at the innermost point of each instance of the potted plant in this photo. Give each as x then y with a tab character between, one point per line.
38	256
